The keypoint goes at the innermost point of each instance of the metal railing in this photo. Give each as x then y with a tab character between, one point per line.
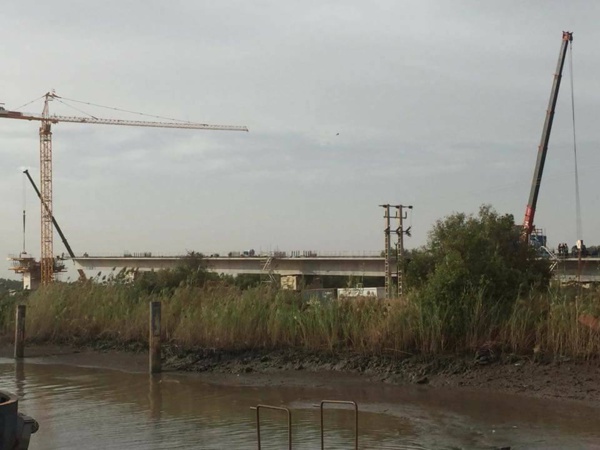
258	254
321	406
257	408
339	402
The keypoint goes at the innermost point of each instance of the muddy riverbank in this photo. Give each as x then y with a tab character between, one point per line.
510	374
516	375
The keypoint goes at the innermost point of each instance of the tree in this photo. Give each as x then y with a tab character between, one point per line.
481	254
7	285
191	271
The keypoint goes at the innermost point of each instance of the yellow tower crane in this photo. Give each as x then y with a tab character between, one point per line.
46	119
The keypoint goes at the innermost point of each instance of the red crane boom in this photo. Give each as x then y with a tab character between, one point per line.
567	38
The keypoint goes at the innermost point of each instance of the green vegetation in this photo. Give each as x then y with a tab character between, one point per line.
11	292
7	286
476	253
474	263
227	317
474	284
191	272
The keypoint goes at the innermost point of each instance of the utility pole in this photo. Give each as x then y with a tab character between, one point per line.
396	260
387	251
400	232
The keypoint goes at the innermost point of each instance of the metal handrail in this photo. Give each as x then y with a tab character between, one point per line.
339	402
276	408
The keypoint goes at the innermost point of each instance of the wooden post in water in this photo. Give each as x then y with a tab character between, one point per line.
154	338
20	332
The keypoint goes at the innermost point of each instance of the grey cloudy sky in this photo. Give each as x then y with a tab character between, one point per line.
438	104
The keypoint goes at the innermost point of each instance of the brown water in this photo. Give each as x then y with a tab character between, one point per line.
87	408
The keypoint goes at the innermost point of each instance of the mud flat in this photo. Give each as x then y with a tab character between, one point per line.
566	379
545	379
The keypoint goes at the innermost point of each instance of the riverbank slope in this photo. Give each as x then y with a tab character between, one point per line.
565	379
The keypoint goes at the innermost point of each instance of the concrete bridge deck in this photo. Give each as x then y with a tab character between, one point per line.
337	266
566	269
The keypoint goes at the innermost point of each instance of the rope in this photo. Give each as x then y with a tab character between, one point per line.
577	197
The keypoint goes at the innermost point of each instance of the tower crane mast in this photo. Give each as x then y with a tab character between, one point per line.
528	226
46	121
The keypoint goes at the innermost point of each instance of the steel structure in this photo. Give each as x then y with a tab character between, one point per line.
528	226
46	120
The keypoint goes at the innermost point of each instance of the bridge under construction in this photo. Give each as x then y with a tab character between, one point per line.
388	265
567	269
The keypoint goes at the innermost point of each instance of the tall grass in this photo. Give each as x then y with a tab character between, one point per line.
551	325
225	317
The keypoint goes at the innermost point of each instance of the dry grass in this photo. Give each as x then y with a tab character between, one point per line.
225	317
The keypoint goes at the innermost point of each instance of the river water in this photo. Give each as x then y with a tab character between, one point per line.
92	408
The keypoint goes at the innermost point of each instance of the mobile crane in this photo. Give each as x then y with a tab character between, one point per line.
528	226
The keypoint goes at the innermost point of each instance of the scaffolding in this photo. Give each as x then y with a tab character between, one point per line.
27	266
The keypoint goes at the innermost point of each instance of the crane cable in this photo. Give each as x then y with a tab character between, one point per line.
577	197
102	106
24	210
29	103
126	111
58	99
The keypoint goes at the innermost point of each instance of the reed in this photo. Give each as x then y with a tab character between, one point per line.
225	317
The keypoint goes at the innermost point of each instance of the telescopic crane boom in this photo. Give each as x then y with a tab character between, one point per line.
567	38
46	120
82	276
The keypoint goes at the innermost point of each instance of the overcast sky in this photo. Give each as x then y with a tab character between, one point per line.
438	104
